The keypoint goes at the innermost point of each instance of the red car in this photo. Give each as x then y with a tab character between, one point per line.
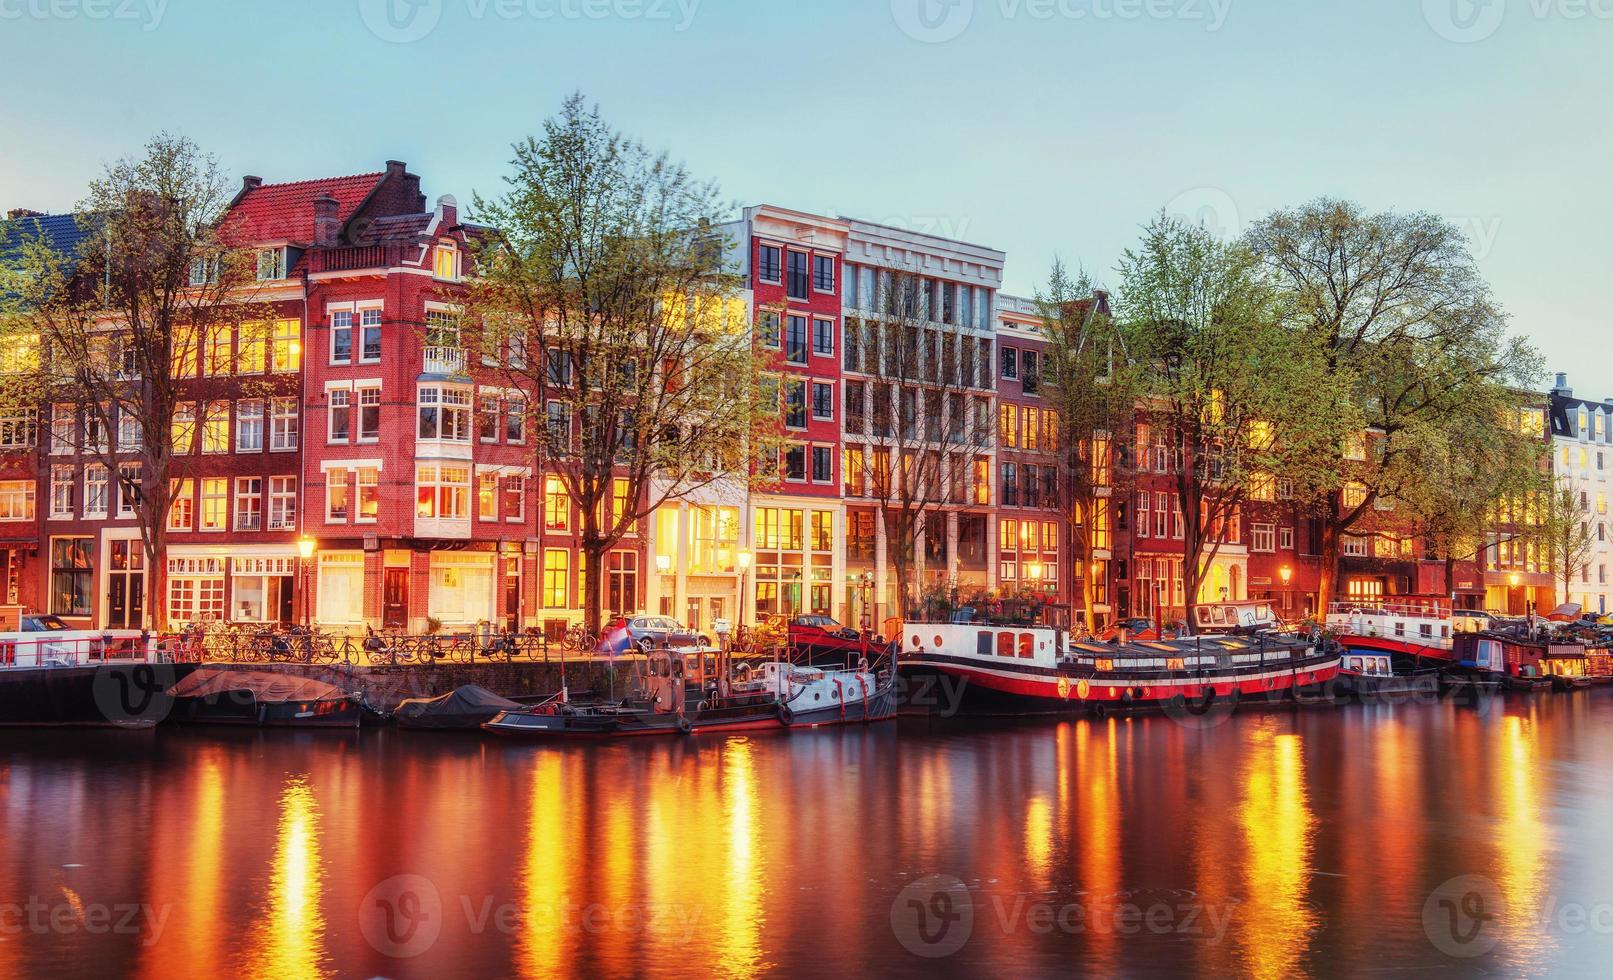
821	635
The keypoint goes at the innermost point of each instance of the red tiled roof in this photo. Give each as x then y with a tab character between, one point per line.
285	212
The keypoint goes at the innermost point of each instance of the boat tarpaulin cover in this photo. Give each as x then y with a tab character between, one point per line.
1565	613
265	685
461	701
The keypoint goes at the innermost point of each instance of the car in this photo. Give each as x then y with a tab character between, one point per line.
816	634
44	624
646	633
1469	621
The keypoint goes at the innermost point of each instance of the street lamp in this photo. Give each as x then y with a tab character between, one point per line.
744	560
1286	574
305	548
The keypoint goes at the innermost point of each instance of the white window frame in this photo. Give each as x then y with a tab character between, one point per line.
249	421
282	498
249	489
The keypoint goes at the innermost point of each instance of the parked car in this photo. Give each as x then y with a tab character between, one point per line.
646	633
1469	621
816	635
44	624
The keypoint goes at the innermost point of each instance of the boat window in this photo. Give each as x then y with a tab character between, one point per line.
1005	644
1400	628
677	666
983	643
1027	645
1426	629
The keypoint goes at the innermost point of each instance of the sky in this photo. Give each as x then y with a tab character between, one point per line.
1045	128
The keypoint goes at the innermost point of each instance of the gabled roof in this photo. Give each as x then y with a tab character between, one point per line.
62	232
285	212
396	227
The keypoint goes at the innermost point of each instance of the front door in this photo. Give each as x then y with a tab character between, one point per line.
126	586
395	598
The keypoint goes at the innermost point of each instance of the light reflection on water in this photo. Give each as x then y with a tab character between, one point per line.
1307	842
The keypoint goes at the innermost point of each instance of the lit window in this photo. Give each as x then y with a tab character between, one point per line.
215	503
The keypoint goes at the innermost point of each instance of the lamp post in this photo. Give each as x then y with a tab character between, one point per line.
1285	573
305	549
1513	580
744	560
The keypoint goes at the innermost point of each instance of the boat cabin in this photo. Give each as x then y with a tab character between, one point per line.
1244	616
1410	619
1515	655
1040	645
1368	664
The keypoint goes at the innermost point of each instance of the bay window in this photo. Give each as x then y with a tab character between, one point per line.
442	491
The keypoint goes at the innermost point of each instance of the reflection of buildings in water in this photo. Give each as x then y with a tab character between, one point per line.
1275	922
290	941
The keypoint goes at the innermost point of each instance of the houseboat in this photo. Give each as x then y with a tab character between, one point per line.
53	675
1517	661
1366	675
1410	629
811	697
1242	616
985	668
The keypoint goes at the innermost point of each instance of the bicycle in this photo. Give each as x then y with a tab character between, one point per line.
579	640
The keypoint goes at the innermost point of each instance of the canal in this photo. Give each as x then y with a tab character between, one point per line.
1427	838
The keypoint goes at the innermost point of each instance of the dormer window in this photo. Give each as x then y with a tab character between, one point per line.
203	272
271	264
445	262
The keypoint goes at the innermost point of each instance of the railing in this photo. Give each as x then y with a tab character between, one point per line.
445	360
1429	609
357	257
76	648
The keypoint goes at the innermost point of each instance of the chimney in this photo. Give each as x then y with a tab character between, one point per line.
1561	387
327	222
409	191
447	212
16	213
250	183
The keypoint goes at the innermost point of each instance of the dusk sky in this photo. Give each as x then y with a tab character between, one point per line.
1040	127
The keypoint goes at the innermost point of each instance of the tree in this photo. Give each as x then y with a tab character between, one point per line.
603	293
1565	540
115	320
1409	336
1095	397
918	423
1241	399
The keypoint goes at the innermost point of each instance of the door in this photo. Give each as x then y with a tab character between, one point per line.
126	586
395	599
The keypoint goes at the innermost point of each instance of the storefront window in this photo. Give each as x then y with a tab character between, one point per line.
72	575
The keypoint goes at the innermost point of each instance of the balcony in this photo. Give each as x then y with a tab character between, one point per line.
452	528
354	257
445	360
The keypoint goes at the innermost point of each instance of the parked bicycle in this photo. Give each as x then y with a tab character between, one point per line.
580	640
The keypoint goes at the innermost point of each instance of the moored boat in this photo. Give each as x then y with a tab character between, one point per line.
1517	661
1421	627
262	698
1365	676
464	708
813	696
983	668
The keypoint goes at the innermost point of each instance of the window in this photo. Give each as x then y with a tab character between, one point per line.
823	401
852	471
287	345
982	480
1285	538
445	263
340	415
556	577
283	425
181	505
18	429
442	492
514	499
338	499
61	492
1010	482
95	490
1162	514
248	503
341	336
369	414
1009	426
795	409
16	500
488	414
795	463
1030	374
216	350
182	358
515	420
559	426
556	505
370	334
249	426
282	502
823	337
767	263
795	281
130	437
72	576
795	338
215	503
1354	546
444	413
203	272
823	273
557	368
252	349
1010	363
823	466
767	329
369	495
271	263
487	496
1262	537
94	431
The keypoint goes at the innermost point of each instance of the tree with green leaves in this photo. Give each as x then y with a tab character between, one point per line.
1409	337
602	292
1241	399
1094	395
114	321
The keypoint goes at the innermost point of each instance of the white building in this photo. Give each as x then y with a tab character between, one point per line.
1582	459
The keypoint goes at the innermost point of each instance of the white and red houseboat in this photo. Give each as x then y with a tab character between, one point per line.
983	668
1419	627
